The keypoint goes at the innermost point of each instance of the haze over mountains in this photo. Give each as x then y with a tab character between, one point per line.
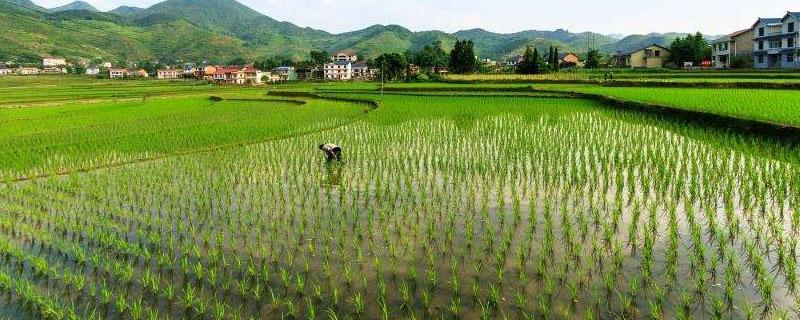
219	30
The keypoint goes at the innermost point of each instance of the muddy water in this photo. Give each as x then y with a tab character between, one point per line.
440	211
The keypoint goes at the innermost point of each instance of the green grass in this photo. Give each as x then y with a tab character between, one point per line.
483	206
774	106
80	135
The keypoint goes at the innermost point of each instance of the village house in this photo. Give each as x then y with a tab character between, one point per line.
141	73
345	55
286	73
206	73
50	61
168	74
413	69
338	70
345	66
305	74
361	71
514	61
4	70
775	42
724	49
650	57
569	59
189	69
252	75
92	70
28	71
54	70
228	75
272	77
117	73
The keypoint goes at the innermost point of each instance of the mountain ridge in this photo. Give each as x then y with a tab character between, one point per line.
75	5
244	32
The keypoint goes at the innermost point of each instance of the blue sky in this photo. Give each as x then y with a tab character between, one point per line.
607	16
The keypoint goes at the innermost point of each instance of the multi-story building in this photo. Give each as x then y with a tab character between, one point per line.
345	66
338	70
362	71
54	70
345	55
725	49
50	61
92	70
117	73
168	74
286	73
28	71
775	42
651	57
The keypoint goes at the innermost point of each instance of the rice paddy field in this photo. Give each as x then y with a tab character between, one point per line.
217	204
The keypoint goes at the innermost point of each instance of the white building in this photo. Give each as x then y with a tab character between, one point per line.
726	48
4	70
338	70
53	70
775	42
92	70
117	73
28	71
286	73
189	68
345	55
50	61
168	74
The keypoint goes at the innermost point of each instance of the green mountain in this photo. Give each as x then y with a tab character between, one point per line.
24	4
126	11
220	30
77	5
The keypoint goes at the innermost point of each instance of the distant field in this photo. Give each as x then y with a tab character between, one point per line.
775	106
635	75
452	202
47	128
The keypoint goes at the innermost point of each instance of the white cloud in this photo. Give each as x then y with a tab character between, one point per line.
610	16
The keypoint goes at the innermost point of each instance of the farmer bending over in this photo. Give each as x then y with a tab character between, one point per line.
333	151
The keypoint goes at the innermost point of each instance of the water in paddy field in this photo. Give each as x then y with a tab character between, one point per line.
584	214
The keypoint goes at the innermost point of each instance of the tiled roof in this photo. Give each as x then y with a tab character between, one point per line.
768	20
740	32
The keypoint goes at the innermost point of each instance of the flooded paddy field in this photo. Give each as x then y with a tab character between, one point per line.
473	207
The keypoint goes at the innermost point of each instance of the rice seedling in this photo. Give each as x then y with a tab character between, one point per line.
597	211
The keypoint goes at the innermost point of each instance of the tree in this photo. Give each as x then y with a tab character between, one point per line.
551	59
593	59
556	67
538	64
392	65
319	58
462	57
237	61
149	66
692	48
532	62
431	57
273	62
526	66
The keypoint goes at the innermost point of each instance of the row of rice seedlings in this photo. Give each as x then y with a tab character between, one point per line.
451	226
